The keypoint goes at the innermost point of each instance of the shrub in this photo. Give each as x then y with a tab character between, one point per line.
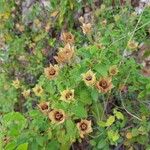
66	77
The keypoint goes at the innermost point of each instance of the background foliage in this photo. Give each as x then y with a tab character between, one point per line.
29	40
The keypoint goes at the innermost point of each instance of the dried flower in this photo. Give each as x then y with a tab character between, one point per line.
6	139
84	127
86	28
65	54
134	14
100	46
113	70
104	23
32	45
81	19
47	27
104	85
129	135
37	23
38	90
4	16
19	27
54	14
132	45
26	93
17	2
51	72
67	95
89	78
44	107
57	116
67	37
2	42
16	83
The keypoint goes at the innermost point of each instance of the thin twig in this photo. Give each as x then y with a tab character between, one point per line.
123	101
105	106
130	33
131	36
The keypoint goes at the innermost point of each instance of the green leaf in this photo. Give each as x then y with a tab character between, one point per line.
93	143
40	37
10	146
110	121
15	122
34	113
113	135
102	69
102	124
65	146
118	115
94	94
71	129
148	87
49	134
142	95
23	146
79	111
85	96
40	140
14	116
97	110
62	137
53	145
33	145
102	143
135	132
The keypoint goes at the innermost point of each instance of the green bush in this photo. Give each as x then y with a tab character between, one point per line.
66	79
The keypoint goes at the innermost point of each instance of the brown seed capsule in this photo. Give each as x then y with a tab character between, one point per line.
84	127
38	90
65	54
132	45
44	107
51	72
26	93
86	28
104	85
57	116
67	37
113	70
89	78
67	95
